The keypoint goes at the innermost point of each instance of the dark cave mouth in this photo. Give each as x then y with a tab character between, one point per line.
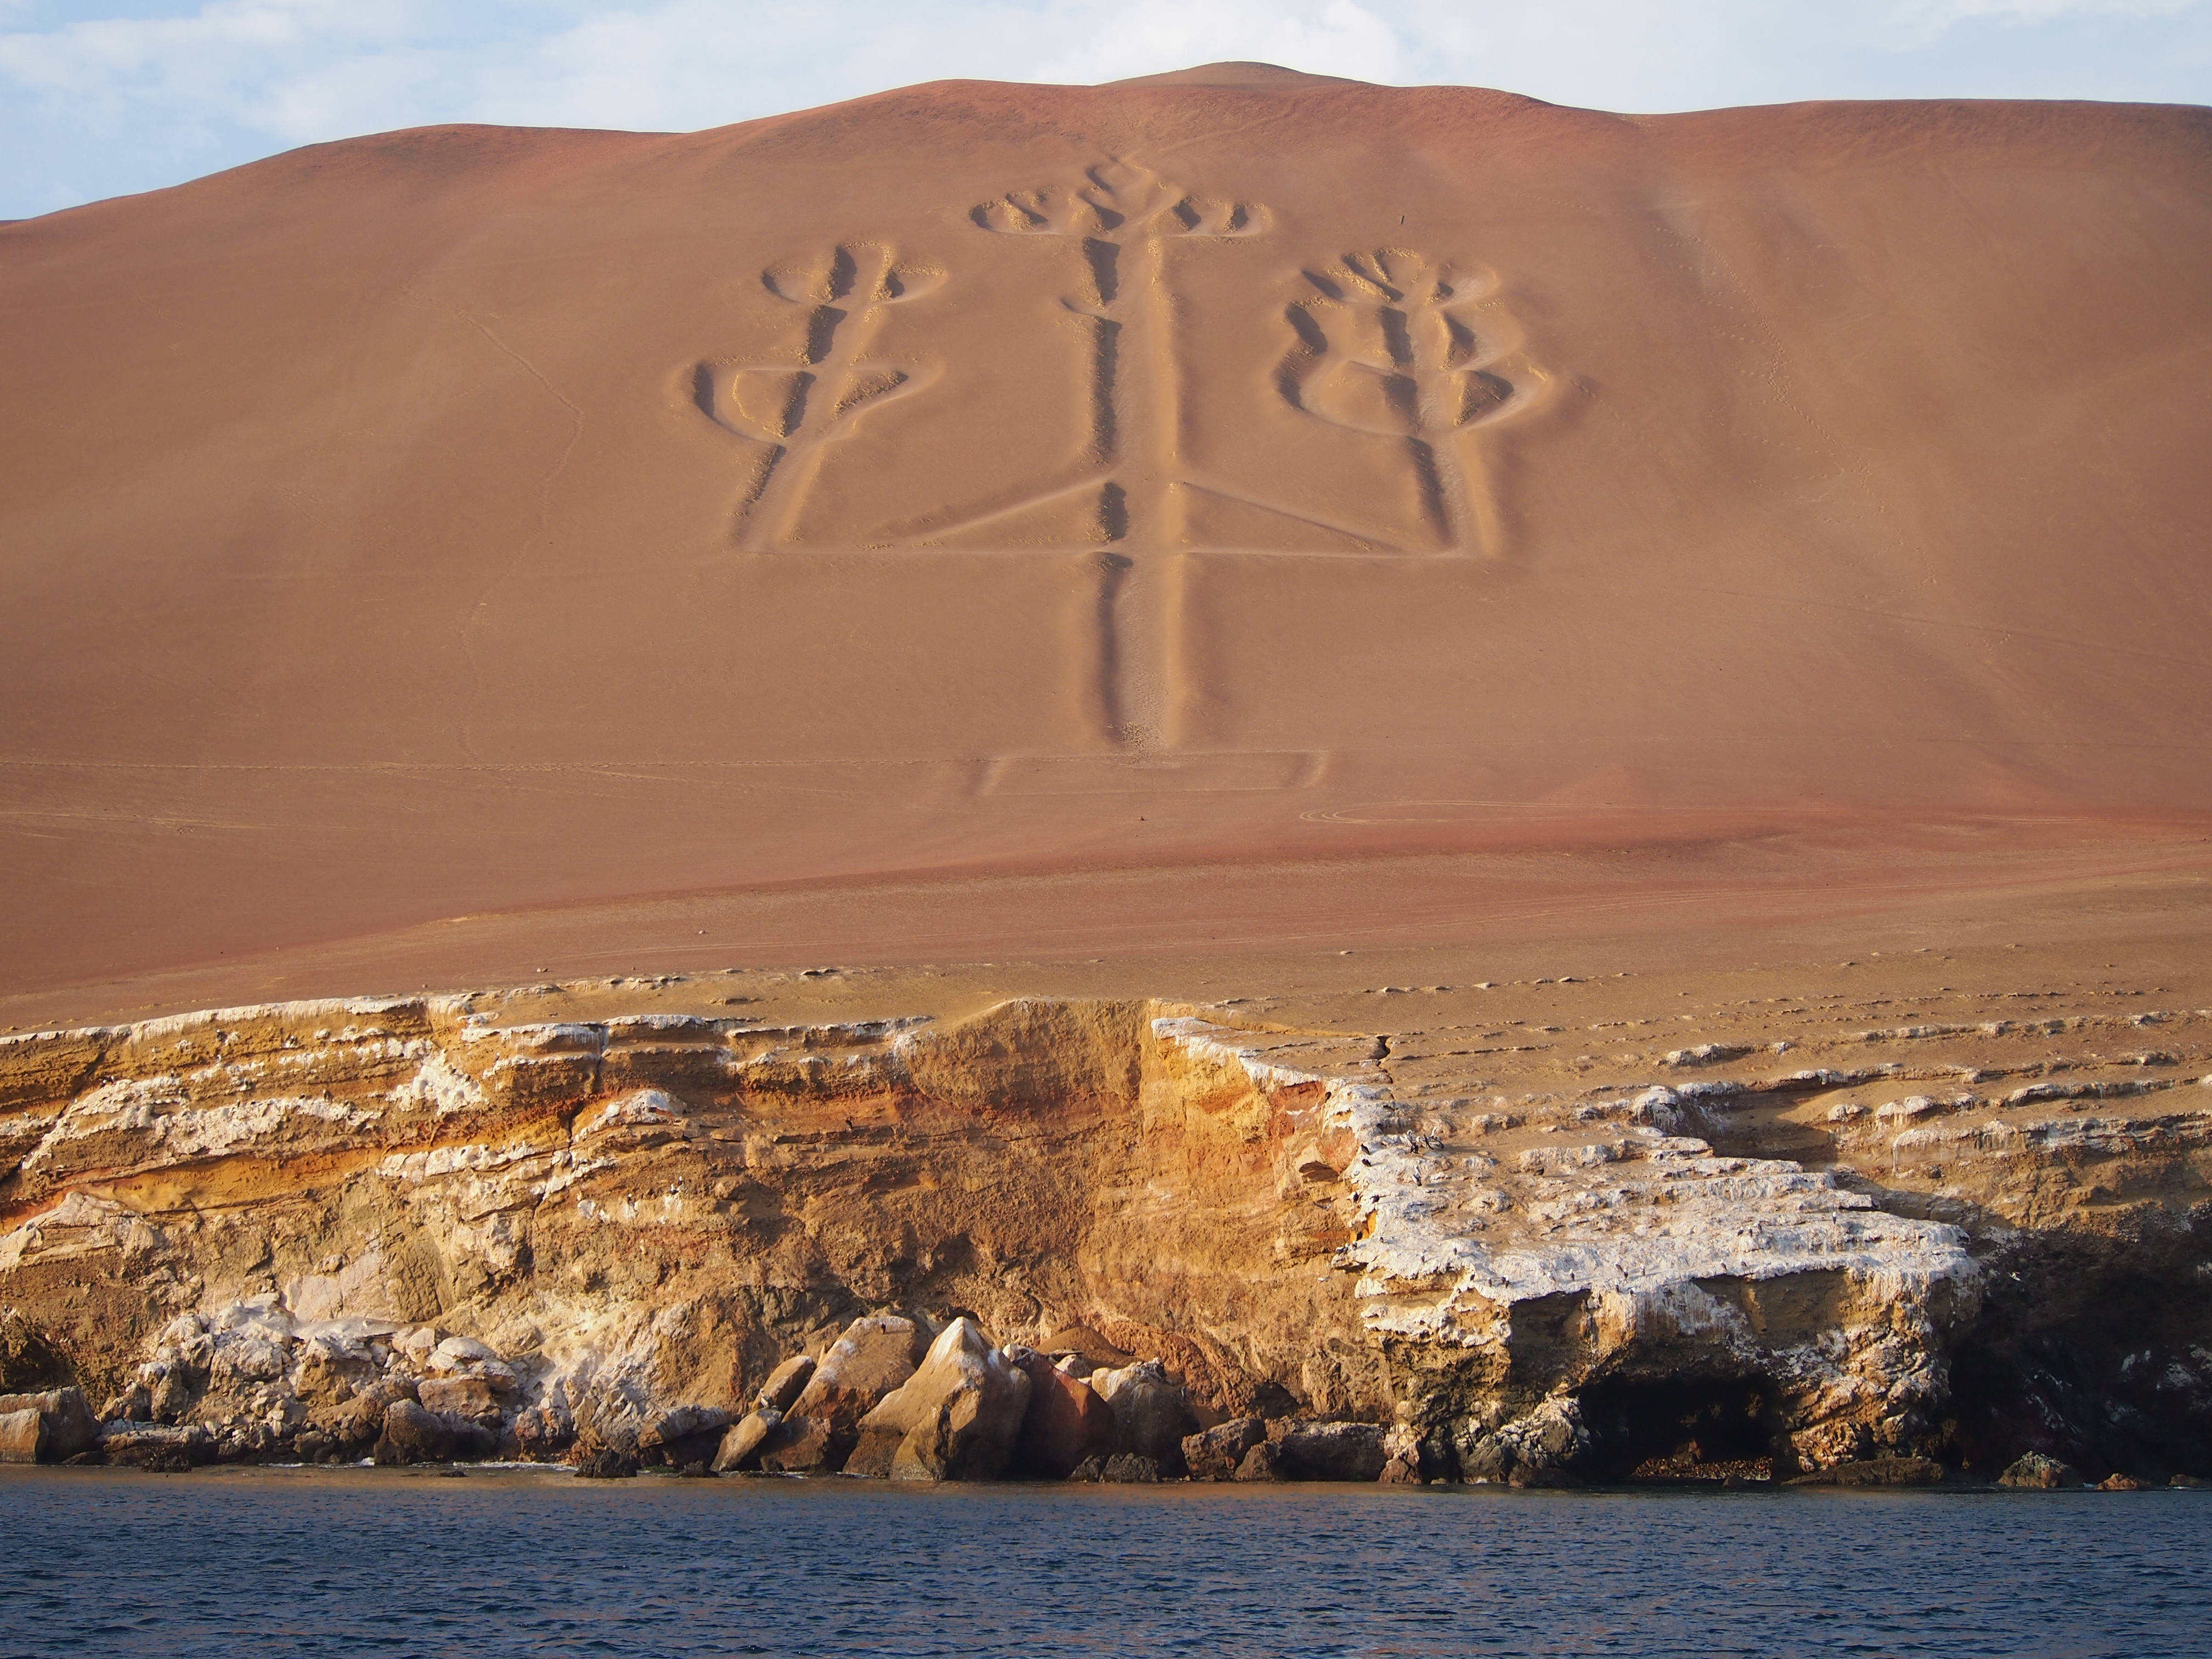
1716	1429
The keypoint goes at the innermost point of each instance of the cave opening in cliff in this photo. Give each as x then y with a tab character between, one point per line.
1679	1429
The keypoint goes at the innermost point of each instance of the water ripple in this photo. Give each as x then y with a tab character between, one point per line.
313	1562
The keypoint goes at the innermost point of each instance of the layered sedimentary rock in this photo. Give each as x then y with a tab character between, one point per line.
437	1227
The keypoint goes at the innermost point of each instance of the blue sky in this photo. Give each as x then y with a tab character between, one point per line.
102	97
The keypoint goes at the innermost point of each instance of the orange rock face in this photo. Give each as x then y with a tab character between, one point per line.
610	1232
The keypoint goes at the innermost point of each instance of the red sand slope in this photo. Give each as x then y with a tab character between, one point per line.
1230	465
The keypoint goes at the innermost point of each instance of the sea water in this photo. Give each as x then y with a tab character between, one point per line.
266	1562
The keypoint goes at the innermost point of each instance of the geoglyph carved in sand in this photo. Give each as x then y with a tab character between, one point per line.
1397	345
797	407
1122	219
1388	344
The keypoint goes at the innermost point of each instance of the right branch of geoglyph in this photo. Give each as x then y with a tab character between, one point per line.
799	405
1398	345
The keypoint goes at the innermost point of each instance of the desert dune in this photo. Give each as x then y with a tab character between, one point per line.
1230	470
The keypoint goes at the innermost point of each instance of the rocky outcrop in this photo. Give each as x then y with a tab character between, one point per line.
1121	1469
158	1446
1215	1454
1151	1412
413	1434
785	1384
1263	1462
344	1429
22	1436
2036	1472
957	1418
1329	1451
48	1427
864	1367
1877	1472
1404	1462
1066	1423
741	1445
1543	1448
686	1437
435	1227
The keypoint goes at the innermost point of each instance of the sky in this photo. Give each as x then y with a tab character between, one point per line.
102	98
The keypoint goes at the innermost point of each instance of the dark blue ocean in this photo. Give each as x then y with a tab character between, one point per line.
256	1563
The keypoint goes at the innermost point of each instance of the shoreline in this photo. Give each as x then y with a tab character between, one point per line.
368	1473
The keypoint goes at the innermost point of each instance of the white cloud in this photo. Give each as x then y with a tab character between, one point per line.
2038	11
1911	24
97	97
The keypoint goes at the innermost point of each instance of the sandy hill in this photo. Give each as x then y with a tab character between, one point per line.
1219	467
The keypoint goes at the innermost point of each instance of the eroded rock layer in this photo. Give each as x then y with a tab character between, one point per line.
439	1226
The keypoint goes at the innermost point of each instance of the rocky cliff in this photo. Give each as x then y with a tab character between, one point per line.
548	1236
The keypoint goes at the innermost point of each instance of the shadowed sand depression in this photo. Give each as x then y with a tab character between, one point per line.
1055	485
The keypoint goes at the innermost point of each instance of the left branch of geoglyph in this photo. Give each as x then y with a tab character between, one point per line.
816	395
